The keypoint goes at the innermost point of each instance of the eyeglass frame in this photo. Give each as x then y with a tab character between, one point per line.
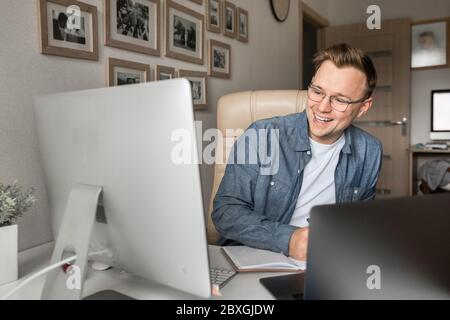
310	86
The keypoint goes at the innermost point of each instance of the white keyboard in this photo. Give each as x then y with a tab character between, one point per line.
220	276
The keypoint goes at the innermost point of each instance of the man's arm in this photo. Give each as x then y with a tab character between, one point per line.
375	172
234	214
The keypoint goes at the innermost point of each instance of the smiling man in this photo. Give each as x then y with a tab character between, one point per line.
323	159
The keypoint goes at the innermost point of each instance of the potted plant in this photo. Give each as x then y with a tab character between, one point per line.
14	203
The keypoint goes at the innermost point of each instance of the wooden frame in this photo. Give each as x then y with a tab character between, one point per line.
175	47
67	41
441	51
227	7
147	43
242	25
125	64
199	104
222	51
163	70
217	28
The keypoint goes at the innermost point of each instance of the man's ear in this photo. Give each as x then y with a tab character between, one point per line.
365	107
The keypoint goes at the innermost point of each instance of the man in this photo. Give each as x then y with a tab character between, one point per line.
322	159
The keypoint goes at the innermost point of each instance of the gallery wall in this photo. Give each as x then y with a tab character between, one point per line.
268	61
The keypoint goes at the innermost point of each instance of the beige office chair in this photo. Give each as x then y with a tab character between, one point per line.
236	112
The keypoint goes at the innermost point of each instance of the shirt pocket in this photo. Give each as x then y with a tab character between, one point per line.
277	197
354	194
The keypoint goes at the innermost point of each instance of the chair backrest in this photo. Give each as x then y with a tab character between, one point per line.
235	113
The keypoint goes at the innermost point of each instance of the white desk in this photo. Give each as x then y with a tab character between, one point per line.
243	286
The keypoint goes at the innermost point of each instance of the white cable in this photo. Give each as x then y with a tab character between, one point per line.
47	269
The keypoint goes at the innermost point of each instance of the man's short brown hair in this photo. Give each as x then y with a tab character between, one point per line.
344	55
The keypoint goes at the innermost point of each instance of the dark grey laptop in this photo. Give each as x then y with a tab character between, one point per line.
384	249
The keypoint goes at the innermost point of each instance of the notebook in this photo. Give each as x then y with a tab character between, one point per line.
246	259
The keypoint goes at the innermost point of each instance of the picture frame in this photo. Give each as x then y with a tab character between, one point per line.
133	25
242	22
214	16
219	59
122	72
164	73
185	33
430	44
199	87
68	28
229	20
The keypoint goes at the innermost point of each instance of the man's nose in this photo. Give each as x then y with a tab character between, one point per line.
325	105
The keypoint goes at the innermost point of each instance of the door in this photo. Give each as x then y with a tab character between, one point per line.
388	120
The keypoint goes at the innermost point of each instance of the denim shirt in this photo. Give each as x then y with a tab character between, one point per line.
255	209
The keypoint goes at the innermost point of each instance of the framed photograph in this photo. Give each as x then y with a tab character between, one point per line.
164	73
242	18
68	28
122	72
198	85
430	45
214	16
219	59
229	20
133	25
184	33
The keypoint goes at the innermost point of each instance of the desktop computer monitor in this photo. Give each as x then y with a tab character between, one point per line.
440	115
120	139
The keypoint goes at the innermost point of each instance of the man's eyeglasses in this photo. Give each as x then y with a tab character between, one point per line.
338	104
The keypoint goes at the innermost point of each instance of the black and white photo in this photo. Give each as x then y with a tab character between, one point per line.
198	82
124	78
184	33
243	25
219	59
214	16
230	19
68	26
69	31
132	19
133	25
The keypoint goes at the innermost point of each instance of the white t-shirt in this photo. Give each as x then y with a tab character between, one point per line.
318	180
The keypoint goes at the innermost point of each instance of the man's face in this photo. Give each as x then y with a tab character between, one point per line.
326	125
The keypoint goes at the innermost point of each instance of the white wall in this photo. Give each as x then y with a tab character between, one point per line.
268	61
422	82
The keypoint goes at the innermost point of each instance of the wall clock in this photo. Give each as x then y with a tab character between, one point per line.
280	9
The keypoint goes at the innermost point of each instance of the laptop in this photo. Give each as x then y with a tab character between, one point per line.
395	248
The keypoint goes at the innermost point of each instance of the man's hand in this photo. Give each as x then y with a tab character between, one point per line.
298	245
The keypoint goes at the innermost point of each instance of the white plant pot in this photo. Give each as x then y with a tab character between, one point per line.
8	254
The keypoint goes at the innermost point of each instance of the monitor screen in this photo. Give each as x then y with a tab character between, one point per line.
441	110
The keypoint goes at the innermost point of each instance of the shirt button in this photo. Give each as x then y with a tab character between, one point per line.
308	153
272	183
298	171
356	191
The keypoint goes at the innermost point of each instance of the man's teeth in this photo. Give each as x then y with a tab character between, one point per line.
323	119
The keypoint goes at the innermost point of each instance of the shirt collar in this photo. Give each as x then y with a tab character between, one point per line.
299	136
